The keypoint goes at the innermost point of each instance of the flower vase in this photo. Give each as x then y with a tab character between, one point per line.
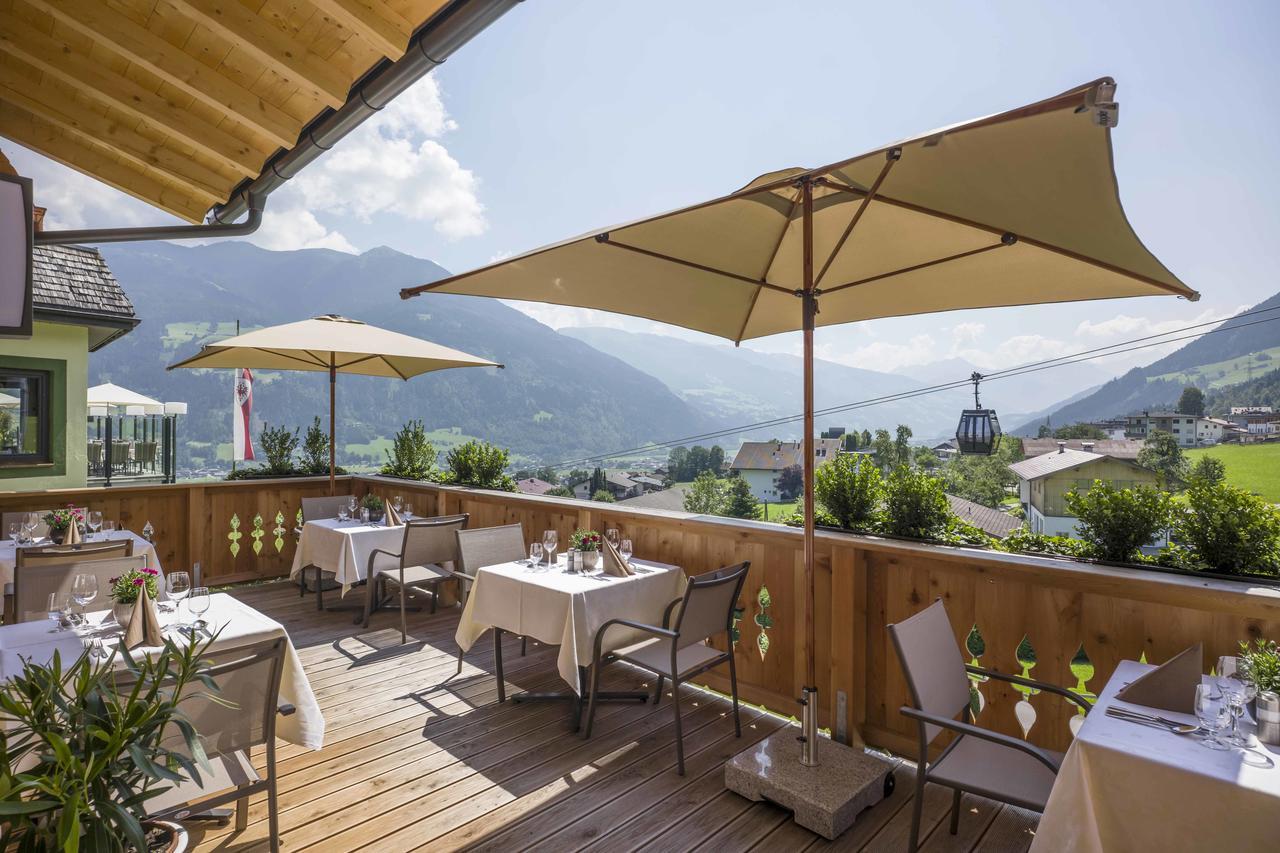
122	611
590	561
56	536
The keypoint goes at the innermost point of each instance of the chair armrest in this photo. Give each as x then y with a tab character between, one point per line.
983	734
462	576
373	555
639	626
666	614
1031	682
284	709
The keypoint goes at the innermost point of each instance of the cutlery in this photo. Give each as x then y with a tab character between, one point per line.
1153	722
1132	713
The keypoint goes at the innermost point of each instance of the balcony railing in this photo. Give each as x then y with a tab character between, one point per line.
1058	620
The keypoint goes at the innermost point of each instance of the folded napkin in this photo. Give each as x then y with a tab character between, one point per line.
613	562
72	536
392	518
144	623
1171	686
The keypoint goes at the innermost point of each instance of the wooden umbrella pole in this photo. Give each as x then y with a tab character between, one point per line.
333	448
809	697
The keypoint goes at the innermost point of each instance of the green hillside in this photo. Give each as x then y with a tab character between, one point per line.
1230	371
1255	467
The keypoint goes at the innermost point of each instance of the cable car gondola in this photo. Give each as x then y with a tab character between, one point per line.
979	431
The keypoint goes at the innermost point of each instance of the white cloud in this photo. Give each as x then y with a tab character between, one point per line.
1017	350
297	228
77	201
963	333
1136	327
883	355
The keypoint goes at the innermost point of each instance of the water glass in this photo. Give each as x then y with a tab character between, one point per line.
408	512
1212	714
84	589
364	515
30	524
343	513
179	584
398	503
198	604
109	527
94	520
351	507
1238	694
535	554
624	550
550	541
15	532
57	607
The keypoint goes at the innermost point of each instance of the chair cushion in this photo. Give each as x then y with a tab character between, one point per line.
414	575
655	655
997	771
229	771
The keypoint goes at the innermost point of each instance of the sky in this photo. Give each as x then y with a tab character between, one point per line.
567	115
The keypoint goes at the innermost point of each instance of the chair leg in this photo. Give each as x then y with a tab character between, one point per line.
524	646
497	664
955	812
404	622
242	814
370	598
917	806
657	691
591	705
460	654
435	596
273	815
675	703
733	689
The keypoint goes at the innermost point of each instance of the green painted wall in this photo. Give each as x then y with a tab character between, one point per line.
63	350
1051	498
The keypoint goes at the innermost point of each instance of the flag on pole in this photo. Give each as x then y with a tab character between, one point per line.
241	411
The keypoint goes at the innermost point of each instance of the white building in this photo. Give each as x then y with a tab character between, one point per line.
761	463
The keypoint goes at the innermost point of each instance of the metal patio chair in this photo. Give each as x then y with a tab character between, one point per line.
489	546
312	510
429	545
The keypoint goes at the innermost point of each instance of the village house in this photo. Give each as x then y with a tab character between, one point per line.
1045	480
761	463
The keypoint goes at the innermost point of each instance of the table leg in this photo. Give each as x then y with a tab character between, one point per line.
578	700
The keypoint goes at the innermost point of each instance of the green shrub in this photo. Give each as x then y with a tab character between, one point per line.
315	449
957	531
1230	530
1116	523
603	496
1024	541
738	500
1260	664
915	504
278	445
704	495
851	489
821	518
480	464
560	492
411	456
1209	470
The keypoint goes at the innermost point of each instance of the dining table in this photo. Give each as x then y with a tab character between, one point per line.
547	603
342	547
229	622
1131	786
141	547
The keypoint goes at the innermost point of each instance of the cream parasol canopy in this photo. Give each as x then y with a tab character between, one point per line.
110	394
1016	208
332	344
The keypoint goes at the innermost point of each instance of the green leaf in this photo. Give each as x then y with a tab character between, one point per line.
127	823
27	807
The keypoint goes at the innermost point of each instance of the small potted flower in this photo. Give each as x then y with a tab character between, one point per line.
125	588
60	520
1260	665
588	543
376	507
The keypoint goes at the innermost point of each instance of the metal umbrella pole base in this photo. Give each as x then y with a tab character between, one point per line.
825	797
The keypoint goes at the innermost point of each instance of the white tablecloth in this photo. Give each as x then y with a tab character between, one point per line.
343	547
8	558
240	624
1127	787
561	609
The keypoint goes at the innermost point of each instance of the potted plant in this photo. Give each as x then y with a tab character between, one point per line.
124	591
82	748
60	520
1260	664
587	542
375	505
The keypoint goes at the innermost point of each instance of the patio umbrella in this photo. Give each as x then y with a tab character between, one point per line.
110	394
1012	209
334	345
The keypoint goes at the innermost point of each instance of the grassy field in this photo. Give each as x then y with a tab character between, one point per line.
1255	467
779	511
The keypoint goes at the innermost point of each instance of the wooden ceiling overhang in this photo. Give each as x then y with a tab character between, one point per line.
181	102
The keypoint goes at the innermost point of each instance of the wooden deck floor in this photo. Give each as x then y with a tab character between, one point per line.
417	759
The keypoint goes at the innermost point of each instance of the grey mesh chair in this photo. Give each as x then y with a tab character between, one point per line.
429	545
489	546
679	652
314	509
987	763
249	679
34	582
77	552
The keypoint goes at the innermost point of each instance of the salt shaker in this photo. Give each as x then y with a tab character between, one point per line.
1268	712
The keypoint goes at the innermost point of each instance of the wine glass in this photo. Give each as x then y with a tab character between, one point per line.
109	527
351	506
198	604
1212	712
397	503
94	520
343	513
550	542
15	532
408	512
84	589
30	523
179	584
56	608
535	554
624	551
1238	694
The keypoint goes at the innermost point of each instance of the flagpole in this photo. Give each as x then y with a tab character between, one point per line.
235	377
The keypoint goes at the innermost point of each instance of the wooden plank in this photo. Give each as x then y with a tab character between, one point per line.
381	28
976	815
1011	832
24	42
269	45
174	66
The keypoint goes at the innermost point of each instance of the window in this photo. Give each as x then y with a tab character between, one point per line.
24	416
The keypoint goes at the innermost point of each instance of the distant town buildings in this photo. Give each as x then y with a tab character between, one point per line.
1189	430
1043	483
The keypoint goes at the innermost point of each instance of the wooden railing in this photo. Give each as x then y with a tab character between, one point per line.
1057	620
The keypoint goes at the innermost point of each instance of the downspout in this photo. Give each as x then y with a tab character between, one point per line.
428	48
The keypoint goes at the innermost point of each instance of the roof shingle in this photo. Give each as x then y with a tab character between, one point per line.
76	278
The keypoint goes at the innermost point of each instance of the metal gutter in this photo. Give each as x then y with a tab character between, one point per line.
428	48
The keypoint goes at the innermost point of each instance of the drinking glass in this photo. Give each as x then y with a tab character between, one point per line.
15	532
408	512
611	535
1238	694
1222	673
1212	713
351	507
57	607
343	513
30	523
179	585
550	542
398	503
535	554
109	527
198	604
94	521
624	550
84	589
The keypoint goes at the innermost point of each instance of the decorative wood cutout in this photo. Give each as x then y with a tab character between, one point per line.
763	620
1024	711
735	631
976	646
278	530
235	535
257	533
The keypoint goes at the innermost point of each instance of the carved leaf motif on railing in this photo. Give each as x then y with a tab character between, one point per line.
1024	711
278	530
976	647
1082	670
257	533
735	630
763	620
235	535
